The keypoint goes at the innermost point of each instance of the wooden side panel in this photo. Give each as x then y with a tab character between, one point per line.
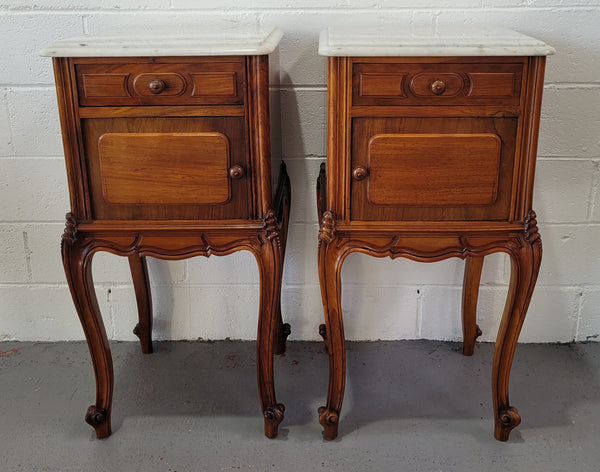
445	169
164	168
433	169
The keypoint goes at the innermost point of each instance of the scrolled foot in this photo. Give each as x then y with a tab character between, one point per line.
99	420
280	344
329	420
507	420
273	415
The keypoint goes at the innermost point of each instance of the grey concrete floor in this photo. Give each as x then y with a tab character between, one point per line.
193	406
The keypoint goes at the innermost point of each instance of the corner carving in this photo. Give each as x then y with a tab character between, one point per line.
70	234
530	229
271	227
327	230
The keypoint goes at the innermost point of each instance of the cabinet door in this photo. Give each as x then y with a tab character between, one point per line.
432	168
166	168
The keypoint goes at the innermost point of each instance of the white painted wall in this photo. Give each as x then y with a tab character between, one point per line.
218	297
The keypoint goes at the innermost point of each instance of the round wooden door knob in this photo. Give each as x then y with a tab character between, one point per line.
438	87
360	173
156	86
236	172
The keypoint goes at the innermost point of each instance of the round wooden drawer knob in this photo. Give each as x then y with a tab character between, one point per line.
438	87
236	172
360	173
156	86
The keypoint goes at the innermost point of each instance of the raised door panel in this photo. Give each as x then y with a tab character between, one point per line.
167	168
164	168
432	169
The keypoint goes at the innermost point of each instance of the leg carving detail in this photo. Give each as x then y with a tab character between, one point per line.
77	261
95	417
330	265
329	420
472	278
273	416
270	275
525	261
141	285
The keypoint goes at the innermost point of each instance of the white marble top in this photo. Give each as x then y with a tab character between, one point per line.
197	40
463	40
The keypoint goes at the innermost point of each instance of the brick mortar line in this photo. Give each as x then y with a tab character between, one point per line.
568	158
332	9
594	190
32	158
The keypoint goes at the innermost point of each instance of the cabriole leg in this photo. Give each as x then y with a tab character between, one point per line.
141	285
525	261
472	278
270	273
77	260
330	266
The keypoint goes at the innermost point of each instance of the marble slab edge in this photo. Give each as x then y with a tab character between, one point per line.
428	46
129	45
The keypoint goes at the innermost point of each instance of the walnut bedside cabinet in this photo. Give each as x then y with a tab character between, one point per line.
432	139
167	146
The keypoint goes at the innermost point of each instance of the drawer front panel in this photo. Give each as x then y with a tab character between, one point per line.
193	168
167	168
432	169
198	83
381	84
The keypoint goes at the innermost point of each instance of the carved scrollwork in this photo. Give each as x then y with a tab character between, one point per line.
510	417
328	417
327	230
271	227
70	234
95	416
530	229
274	414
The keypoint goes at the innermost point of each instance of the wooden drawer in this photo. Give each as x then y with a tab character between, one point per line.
436	83
205	82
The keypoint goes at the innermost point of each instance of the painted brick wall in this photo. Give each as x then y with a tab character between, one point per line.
218	297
